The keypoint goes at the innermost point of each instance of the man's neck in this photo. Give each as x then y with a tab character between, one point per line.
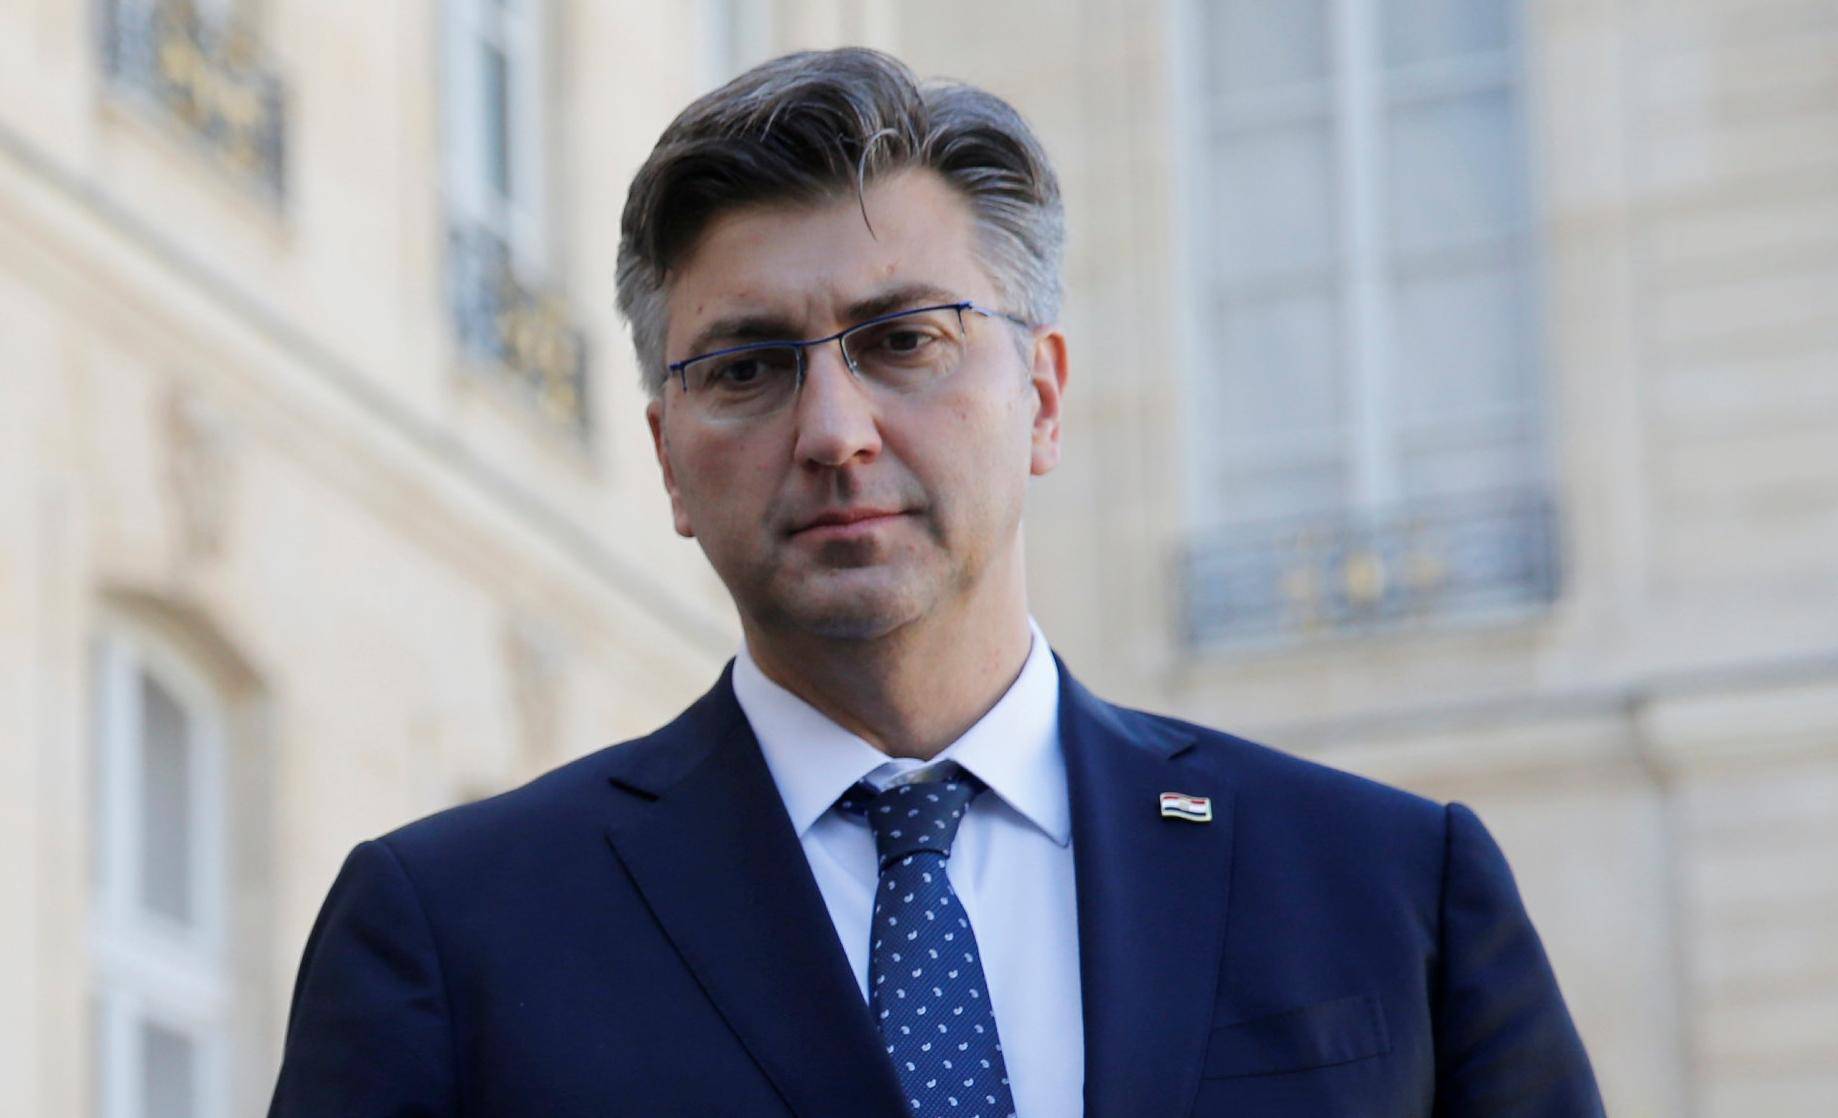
912	692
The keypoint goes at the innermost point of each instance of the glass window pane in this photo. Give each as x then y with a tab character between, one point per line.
1310	482
214	13
168	1073
1274	203
1423	30
1279	360
166	809
1455	173
497	92
1461	345
1256	44
1437	472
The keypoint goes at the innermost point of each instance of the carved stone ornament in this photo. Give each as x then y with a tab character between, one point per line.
198	473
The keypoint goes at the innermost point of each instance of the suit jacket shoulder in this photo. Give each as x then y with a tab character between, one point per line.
1258	764
1293	807
1385	921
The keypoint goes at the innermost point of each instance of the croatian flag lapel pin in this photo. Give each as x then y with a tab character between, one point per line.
1194	809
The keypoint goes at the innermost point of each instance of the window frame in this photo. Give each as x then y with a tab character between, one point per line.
521	31
145	967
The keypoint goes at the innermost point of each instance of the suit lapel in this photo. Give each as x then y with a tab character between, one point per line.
705	837
1152	896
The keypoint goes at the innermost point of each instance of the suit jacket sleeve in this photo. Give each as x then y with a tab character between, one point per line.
369	1034
1505	1044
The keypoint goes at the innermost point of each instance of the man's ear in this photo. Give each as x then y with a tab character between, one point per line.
1048	380
654	417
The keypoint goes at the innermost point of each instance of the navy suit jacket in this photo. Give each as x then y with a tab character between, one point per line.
638	932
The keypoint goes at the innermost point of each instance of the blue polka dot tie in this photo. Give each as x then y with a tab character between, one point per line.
925	978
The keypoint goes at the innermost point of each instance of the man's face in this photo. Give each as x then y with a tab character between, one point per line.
930	484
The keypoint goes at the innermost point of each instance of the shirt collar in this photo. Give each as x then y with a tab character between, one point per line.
1014	748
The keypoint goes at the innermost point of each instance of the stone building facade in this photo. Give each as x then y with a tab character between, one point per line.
326	501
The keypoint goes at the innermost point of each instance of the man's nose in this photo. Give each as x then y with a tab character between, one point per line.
835	412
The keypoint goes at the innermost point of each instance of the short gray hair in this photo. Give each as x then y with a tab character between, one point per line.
818	125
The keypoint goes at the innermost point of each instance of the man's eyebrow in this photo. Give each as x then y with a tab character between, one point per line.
899	299
740	329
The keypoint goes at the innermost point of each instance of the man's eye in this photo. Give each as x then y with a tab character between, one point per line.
905	341
750	371
741	371
903	344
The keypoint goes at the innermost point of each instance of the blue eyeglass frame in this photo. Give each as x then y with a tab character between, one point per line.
677	367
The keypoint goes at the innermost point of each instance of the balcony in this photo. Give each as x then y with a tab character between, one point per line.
1438	561
520	335
212	80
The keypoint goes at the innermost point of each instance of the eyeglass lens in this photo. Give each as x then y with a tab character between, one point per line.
902	355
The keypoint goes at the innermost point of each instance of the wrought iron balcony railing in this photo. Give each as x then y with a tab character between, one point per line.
522	334
1438	560
212	79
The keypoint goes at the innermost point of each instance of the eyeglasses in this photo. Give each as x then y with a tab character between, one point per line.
903	353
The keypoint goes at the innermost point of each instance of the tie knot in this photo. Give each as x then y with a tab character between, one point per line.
919	815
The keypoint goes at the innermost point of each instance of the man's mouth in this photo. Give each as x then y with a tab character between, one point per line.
845	523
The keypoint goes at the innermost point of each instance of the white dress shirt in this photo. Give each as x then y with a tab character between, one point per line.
1011	865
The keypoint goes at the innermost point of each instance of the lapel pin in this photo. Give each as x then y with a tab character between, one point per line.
1194	809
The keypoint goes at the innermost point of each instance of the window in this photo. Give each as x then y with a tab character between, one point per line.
502	275
162	987
1366	442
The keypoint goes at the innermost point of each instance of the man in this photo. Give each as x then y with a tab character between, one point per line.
898	860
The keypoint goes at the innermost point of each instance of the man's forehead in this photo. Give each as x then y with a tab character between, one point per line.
809	261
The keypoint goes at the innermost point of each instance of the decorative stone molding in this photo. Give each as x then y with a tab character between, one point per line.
213	80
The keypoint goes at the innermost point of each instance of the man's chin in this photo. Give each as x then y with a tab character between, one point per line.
849	608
